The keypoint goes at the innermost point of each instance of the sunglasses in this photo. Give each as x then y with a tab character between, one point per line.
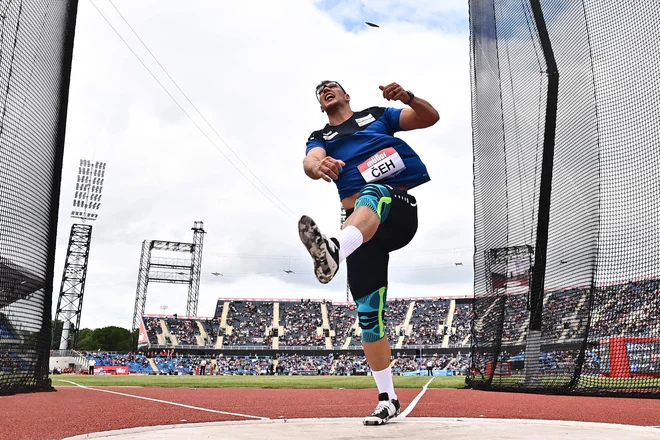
329	84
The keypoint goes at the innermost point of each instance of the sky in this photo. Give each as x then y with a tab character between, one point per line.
216	133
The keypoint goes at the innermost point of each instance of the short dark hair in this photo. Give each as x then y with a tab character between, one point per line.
326	81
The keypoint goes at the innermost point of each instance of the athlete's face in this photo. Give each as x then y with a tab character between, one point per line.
331	95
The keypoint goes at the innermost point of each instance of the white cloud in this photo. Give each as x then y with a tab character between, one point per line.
250	69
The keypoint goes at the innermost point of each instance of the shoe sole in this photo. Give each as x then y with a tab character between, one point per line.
311	237
375	421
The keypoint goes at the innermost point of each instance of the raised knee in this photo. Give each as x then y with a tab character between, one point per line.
371	315
375	197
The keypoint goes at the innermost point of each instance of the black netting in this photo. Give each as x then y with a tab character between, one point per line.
36	41
566	130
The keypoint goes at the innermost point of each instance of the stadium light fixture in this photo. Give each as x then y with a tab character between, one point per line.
89	188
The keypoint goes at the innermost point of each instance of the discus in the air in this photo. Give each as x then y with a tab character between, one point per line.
371	24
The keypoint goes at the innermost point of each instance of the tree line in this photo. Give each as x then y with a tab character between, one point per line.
110	338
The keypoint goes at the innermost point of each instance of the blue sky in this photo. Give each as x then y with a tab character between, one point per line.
452	17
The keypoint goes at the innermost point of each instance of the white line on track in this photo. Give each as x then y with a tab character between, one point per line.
414	402
167	402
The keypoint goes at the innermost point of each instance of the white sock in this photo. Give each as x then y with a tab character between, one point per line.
350	238
384	382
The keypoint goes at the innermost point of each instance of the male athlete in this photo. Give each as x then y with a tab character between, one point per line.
373	171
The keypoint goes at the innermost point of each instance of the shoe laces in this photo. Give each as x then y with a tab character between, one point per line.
383	404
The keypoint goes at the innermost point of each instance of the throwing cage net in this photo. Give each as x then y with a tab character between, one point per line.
36	43
566	130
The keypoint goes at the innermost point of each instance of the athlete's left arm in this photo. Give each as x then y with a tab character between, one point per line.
421	114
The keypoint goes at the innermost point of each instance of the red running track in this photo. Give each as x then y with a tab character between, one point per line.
72	411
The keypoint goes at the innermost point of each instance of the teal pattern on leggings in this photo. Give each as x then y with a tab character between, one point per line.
377	198
370	310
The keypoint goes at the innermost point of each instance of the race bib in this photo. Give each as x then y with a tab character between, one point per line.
385	163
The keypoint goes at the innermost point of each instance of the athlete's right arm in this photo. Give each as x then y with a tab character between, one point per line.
318	165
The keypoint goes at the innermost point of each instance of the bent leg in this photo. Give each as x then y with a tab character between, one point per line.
371	209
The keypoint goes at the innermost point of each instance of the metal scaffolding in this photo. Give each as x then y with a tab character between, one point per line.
195	269
69	303
170	270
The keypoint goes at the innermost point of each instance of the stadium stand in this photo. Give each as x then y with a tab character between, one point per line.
428	322
460	326
154	331
342	320
628	309
271	333
182	331
395	316
305	365
302	322
208	329
407	364
350	365
279	327
307	323
137	363
243	365
249	323
516	319
345	364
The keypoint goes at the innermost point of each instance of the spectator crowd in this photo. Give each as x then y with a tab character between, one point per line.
294	364
625	309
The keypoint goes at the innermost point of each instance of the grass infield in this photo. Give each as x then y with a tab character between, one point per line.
311	382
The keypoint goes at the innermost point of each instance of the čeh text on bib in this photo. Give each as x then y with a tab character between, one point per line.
385	163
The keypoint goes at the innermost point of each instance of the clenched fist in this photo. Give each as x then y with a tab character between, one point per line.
328	169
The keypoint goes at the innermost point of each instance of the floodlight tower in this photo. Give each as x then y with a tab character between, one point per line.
86	203
341	225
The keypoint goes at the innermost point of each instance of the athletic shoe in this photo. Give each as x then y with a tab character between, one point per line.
385	410
324	252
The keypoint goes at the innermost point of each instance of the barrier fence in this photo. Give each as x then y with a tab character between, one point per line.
567	231
35	65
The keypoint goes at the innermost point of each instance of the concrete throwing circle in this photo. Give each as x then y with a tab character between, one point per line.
350	428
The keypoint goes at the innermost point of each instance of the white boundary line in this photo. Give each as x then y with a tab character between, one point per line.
414	402
167	402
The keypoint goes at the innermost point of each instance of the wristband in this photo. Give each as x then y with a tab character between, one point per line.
412	96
